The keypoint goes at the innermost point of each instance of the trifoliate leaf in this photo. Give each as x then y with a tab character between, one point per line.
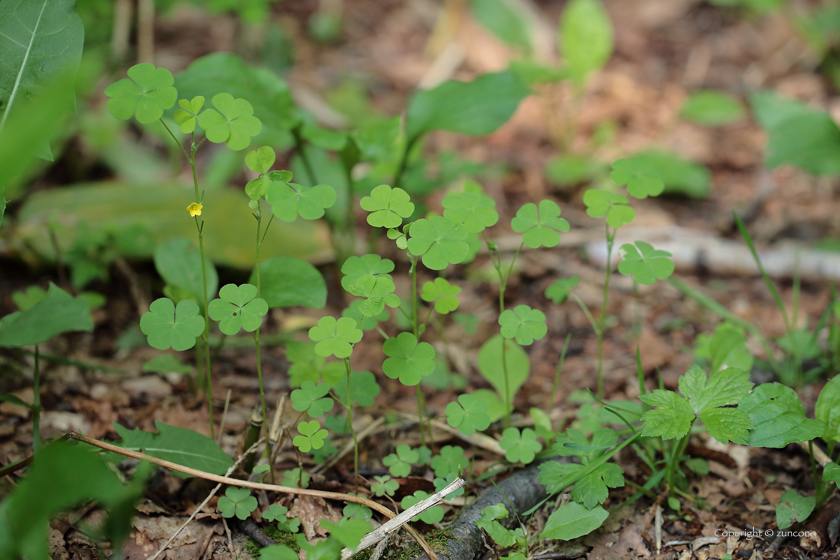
450	461
377	291
357	511
146	93
363	388
399	463
443	482
520	447
295	478
356	267
431	515
238	307
311	436
365	323
312	399
614	206
399	238
524	324
232	122
186	116
645	264
443	294
539	226
387	206
384	485
476	211
778	416
260	160
237	502
558	291
468	415
641	177
408	360
440	241
290	200
167	326
335	337
307	365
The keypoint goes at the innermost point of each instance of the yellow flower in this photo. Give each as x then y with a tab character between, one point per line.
195	209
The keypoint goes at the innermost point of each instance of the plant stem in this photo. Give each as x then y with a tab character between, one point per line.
258	216
349	407
36	405
414	322
599	332
550	403
675	458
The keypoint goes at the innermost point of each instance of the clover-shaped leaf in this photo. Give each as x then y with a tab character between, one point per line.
288	200
325	452
524	324
641	177
443	294
295	478
444	481
238	502
371	264
186	116
399	463
520	447
399	237
312	436
311	398
363	388
450	461
146	93
306	365
440	241
476	211
469	414
539	226
387	206
232	122
238	307
356	511
260	160
645	264
408	360
384	485
275	512
335	337
431	515
614	206
167	326
558	291
365	323
377	291
278	513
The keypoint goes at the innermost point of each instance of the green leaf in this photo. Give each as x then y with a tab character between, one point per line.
644	263
261	160
778	416
504	21
167	326
793	507
679	175
439	241
614	206
567	170
177	445
491	366
384	485
387	206
450	461
540	227
726	346
711	107
289	281
500	535
408	360
468	415
232	122
724	388
364	322
376	138
441	483
349	532
827	409
520	447
333	140
356	267
306	365
39	41
295	478
593	488
166	363
335	337
559	290
641	177
443	294
186	116
378	292
476	211
238	307
57	313
146	93
573	520
586	38
475	108
237	502
278	552
673	420
524	324
831	473
311	436
290	200
399	463
363	388
310	398
178	262
275	512
431	515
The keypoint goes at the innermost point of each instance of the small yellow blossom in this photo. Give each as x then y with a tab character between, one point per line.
195	209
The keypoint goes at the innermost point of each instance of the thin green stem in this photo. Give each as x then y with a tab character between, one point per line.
349	407
602	319
36	405
176	140
676	455
414	322
258	243
550	403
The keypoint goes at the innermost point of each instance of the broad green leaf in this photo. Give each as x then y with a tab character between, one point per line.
377	138
727	424
289	281
177	445
827	410
399	463
349	532
356	267
726	346
335	337
641	177
56	313
333	140
645	264
312	399
520	447
439	242
408	360
524	324
671	421
290	200
679	175
468	415
278	552
450	461
178	262
238	307
443	294
311	436
793	507
500	535
476	211
725	387
614	206
778	416
539	226
187	116
363	388
559	290
146	94
260	160
377	291
586	38
167	326
567	170
166	363
475	108
388	207
490	365
573	520
712	107
232	121
237	502
831	473
39	41
431	515
505	21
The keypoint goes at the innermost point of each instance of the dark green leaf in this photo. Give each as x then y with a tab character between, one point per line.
179	264
779	417
57	313
288	281
573	520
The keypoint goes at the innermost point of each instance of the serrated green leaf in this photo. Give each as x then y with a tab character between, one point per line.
593	489
439	242
672	421
727	424
778	416
645	264
524	324
726	346
146	93
167	326
408	360
573	520
541	225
